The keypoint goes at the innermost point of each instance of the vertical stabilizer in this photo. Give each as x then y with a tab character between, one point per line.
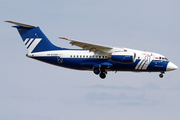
33	38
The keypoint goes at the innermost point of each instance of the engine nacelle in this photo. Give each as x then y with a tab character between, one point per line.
123	57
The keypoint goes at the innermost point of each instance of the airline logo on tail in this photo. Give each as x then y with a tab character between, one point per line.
31	43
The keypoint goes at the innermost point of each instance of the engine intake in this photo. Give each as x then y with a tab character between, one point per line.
123	57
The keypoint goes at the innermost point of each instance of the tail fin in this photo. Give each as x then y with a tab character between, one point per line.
33	38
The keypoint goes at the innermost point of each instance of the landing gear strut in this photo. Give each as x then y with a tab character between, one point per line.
161	75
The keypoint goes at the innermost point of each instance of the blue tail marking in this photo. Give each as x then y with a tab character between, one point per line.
35	40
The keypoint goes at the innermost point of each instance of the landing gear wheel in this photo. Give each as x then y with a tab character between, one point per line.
161	75
96	70
102	75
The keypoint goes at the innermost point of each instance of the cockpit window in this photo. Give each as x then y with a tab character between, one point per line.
163	59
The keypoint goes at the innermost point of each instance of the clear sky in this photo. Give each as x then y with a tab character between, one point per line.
33	90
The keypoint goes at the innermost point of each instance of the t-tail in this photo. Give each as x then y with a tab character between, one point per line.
33	38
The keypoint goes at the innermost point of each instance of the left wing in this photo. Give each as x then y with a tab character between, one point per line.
91	47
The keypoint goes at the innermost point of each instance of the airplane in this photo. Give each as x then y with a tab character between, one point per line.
92	57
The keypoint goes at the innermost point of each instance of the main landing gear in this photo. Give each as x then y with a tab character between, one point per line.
161	75
96	70
101	72
102	75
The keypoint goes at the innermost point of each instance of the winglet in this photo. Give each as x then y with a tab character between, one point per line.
21	24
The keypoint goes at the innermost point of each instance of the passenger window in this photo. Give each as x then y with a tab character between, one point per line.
74	56
99	56
84	56
77	56
160	58
80	56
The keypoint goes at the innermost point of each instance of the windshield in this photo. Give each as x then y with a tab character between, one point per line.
163	58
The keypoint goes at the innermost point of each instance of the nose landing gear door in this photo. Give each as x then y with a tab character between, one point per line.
60	58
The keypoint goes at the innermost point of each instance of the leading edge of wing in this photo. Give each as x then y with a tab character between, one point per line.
88	46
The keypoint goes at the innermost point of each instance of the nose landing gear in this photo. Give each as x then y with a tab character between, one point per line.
161	75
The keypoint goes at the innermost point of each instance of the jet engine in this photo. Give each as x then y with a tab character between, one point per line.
123	57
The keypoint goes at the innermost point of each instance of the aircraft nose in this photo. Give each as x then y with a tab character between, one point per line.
171	66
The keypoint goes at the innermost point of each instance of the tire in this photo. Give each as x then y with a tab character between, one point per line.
161	75
102	75
96	70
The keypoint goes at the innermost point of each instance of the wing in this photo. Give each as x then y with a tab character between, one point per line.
91	47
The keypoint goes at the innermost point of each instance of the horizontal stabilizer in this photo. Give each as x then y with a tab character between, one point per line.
21	24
